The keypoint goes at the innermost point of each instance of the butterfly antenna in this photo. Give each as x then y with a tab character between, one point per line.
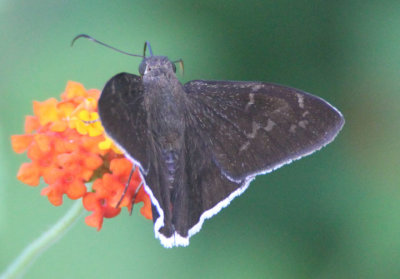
103	44
147	45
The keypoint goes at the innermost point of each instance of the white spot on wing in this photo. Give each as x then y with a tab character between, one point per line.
256	87
303	123
244	146
251	101
255	128
300	99
270	125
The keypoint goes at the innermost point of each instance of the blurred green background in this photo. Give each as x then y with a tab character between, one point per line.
335	214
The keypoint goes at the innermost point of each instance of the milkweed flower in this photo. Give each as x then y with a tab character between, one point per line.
68	150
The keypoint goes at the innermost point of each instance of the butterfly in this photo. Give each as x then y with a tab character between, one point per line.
198	145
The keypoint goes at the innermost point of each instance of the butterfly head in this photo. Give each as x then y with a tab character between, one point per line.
156	66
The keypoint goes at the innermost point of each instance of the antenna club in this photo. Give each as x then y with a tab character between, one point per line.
147	43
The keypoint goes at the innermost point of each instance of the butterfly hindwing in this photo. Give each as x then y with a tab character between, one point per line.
205	186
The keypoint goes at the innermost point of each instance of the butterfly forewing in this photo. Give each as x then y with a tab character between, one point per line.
254	127
121	109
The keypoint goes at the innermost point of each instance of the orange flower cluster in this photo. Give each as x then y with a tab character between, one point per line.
68	148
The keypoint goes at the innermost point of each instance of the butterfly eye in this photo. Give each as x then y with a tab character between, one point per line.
142	68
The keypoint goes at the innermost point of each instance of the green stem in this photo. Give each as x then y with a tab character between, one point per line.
33	251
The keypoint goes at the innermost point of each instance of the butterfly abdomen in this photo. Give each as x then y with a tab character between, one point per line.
170	159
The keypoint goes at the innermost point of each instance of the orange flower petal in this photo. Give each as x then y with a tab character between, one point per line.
121	166
58	126
73	89
43	142
91	144
90	200
52	174
93	162
66	108
46	111
94	220
76	189
54	194
93	96
29	174
20	143
146	210
31	124
111	212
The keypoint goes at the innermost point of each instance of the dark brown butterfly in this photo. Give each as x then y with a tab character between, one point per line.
199	145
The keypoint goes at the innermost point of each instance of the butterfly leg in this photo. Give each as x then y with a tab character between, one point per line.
126	187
